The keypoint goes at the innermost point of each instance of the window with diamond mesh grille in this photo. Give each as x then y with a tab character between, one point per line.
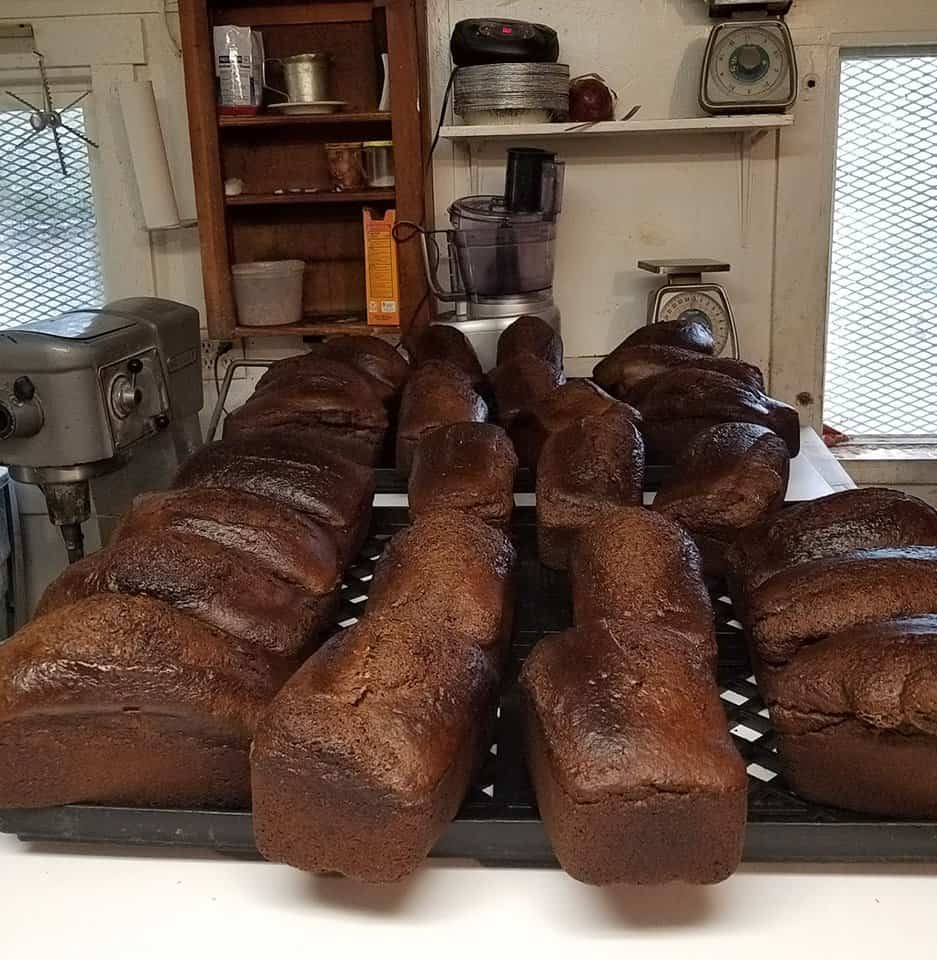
881	356
49	259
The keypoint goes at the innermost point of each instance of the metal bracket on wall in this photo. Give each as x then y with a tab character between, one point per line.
223	392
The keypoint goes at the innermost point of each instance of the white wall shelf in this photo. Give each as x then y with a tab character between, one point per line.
747	123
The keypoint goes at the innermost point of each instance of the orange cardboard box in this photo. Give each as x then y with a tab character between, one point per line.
380	264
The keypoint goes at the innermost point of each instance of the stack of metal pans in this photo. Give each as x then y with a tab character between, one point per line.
512	92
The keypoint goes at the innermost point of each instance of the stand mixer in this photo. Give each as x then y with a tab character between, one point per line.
501	252
86	394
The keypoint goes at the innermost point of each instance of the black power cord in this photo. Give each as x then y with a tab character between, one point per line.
442	117
224	347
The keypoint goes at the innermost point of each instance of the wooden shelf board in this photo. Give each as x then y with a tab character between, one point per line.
323	196
320	328
742	123
315	119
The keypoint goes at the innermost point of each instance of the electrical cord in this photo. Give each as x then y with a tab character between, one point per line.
442	117
223	348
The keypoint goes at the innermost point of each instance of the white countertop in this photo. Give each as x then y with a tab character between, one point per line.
60	902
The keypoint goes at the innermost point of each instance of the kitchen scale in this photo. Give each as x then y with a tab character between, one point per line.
685	297
750	65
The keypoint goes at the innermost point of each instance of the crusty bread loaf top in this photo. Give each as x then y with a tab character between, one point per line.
633	564
521	382
595	462
451	572
110	651
683	332
290	544
850	520
381	708
630	710
728	477
371	355
443	342
802	604
531	334
464	466
883	675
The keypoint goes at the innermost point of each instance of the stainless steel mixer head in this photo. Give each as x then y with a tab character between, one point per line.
79	393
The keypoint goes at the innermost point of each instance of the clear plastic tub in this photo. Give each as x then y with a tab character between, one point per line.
269	293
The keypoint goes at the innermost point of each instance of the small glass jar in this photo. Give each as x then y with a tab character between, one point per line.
379	163
346	169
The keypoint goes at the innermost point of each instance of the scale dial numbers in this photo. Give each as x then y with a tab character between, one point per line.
749	66
707	307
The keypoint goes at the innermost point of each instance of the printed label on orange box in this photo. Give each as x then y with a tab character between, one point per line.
380	262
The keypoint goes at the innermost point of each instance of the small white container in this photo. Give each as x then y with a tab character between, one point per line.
269	293
379	163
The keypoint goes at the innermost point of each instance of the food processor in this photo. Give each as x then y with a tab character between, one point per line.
501	253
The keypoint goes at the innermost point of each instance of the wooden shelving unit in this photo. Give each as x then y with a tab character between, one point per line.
273	152
325	196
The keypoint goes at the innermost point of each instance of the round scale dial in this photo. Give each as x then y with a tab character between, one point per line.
698	305
751	63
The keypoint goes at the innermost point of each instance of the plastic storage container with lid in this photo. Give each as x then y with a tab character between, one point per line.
269	293
379	163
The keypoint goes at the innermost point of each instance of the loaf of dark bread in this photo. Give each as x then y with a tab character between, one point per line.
682	403
520	383
451	572
280	540
636	776
370	748
468	467
329	488
856	719
586	469
804	604
447	344
125	700
628	372
373	356
850	520
530	334
560	408
728	477
219	585
311	392
295	436
436	395
635	565
684	332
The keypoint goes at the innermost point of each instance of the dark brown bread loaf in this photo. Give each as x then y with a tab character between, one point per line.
379	365
683	402
851	520
856	718
468	467
437	394
804	604
564	406
368	751
311	392
329	488
683	332
291	435
590	467
529	334
629	372
632	564
287	543
451	572
219	585
447	344
727	478
124	700
636	776
520	383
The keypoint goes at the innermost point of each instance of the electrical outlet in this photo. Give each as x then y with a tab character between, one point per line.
210	349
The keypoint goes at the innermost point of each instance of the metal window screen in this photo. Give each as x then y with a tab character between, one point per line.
881	356
49	259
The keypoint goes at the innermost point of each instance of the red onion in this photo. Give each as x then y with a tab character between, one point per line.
591	99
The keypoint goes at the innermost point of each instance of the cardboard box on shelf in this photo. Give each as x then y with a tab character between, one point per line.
380	261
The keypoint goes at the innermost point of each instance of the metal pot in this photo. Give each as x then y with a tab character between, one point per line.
306	76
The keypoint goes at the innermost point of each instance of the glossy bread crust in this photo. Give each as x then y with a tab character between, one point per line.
531	334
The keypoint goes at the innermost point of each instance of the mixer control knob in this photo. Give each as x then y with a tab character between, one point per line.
135	365
23	389
19	419
125	397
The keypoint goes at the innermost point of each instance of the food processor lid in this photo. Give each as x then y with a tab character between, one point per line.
489	210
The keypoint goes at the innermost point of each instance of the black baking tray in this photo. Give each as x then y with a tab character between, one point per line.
498	823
